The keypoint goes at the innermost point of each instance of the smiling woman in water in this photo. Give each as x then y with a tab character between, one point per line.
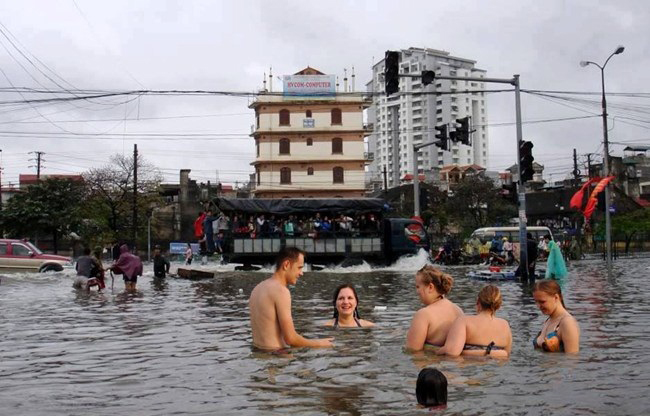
346	314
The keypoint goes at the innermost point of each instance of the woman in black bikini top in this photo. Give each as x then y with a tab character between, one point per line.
483	333
346	314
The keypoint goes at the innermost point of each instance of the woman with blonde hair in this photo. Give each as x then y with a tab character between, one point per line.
560	332
483	333
431	323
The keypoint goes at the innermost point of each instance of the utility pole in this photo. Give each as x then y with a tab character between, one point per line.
576	172
589	165
385	179
39	159
135	193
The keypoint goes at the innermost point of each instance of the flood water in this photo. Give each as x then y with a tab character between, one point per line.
183	347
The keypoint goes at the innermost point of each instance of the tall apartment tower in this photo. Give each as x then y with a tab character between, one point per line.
402	120
309	139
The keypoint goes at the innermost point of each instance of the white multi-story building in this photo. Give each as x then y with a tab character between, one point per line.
408	118
310	140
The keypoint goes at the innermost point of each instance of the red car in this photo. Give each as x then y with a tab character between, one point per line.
23	256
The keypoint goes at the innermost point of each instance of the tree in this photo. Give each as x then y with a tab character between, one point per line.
628	225
111	194
476	202
52	207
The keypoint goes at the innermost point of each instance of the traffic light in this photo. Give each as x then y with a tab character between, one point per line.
463	131
428	77
442	135
391	72
526	160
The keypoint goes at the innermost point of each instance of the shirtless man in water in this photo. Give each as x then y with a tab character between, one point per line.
270	306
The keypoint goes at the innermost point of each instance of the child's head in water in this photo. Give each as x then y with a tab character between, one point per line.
431	389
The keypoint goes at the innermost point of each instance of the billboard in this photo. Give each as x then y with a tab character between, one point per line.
309	85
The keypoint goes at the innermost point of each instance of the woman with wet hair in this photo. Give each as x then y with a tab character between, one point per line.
431	388
483	333
560	332
346	314
431	324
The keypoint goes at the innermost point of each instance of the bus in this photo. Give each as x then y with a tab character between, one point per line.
488	233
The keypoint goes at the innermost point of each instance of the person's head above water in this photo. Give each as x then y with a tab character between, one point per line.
431	283
289	264
547	293
345	301
431	388
489	299
86	251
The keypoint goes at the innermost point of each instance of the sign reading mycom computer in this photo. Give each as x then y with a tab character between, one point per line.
309	85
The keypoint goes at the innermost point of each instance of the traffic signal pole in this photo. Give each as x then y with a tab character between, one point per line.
514	81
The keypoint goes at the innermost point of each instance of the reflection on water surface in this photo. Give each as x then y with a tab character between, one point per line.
184	347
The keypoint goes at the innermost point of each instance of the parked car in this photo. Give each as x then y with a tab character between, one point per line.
23	256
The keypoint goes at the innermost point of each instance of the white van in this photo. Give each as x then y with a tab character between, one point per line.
486	234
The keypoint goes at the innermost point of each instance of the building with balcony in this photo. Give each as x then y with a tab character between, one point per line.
309	140
407	118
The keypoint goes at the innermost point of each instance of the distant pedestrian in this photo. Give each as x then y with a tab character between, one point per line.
98	268
83	267
160	264
129	266
115	251
188	254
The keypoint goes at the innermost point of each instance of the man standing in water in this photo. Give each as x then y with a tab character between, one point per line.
270	306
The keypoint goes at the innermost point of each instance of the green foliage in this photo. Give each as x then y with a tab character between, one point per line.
51	207
476	202
626	226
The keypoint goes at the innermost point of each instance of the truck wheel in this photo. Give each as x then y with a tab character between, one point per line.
51	268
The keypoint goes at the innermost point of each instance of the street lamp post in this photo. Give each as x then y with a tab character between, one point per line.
606	171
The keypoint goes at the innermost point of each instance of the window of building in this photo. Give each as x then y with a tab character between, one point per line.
310	171
257	172
285	146
337	173
336	116
308	113
337	145
3	248
285	175
310	141
257	147
284	117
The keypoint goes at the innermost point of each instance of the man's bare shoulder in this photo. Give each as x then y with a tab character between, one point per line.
269	287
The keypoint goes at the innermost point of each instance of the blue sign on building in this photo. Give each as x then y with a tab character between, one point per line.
179	248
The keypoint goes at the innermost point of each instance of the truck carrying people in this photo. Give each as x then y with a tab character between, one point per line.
331	231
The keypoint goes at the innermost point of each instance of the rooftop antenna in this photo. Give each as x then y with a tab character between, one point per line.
345	80
270	79
264	82
353	79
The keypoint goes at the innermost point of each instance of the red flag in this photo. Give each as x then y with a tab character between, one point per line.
591	203
576	199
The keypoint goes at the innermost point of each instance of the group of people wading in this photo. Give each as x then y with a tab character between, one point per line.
440	323
91	271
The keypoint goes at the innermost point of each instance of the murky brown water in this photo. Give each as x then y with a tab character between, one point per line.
184	348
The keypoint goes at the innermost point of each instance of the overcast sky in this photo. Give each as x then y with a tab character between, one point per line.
120	45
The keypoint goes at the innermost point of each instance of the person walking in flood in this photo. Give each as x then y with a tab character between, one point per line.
270	306
84	268
189	254
431	324
128	265
160	264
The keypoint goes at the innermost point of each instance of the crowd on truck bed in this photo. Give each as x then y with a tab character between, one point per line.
213	232
316	226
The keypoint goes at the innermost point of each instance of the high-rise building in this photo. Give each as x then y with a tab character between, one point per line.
408	118
310	139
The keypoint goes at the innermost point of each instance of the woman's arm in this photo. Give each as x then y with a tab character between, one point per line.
417	335
570	333
455	338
